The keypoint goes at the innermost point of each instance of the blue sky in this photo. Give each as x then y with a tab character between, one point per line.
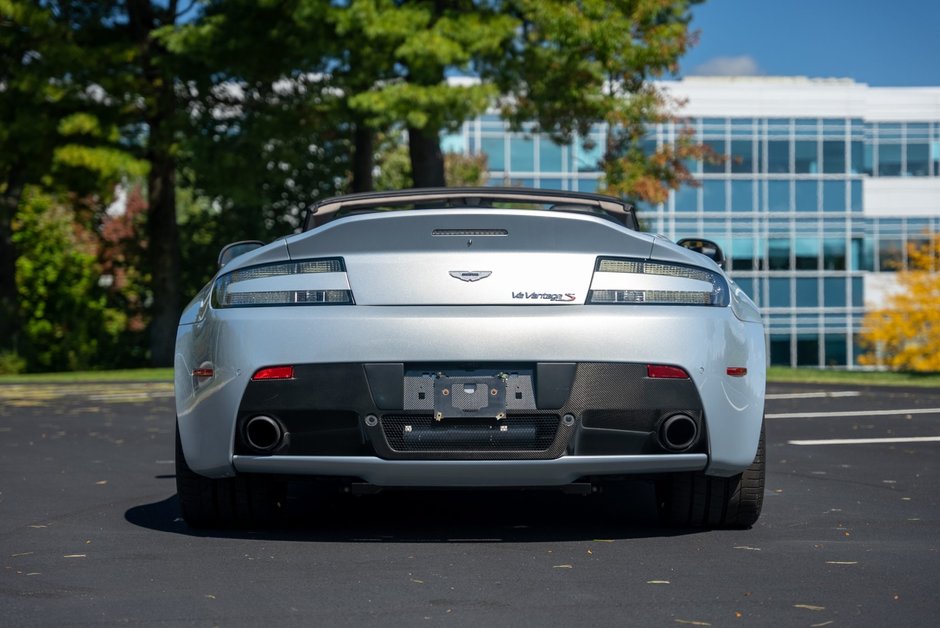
882	43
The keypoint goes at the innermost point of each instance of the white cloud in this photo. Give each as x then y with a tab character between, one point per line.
743	65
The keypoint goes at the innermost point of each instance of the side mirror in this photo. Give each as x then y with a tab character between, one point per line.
707	248
233	250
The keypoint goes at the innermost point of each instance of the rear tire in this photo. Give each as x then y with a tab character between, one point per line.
699	500
242	501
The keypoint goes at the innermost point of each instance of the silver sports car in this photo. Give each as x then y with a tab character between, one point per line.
477	337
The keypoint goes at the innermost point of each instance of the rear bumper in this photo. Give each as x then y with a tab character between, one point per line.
704	341
469	473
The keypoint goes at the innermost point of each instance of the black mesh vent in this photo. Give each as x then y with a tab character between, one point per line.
518	433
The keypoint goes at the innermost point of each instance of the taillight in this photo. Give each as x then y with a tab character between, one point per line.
304	282
639	282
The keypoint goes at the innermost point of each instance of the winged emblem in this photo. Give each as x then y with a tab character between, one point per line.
470	275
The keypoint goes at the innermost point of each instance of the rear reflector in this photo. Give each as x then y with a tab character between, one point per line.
202	372
274	372
660	371
737	371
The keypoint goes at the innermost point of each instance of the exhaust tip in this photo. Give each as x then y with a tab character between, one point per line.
678	432
263	433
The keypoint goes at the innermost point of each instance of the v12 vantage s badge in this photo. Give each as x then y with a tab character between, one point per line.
544	296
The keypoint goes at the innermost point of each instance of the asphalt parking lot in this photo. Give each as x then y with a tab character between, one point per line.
90	534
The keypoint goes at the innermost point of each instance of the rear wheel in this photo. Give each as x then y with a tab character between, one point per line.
699	500
242	501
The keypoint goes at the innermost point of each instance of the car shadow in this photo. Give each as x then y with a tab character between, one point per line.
440	516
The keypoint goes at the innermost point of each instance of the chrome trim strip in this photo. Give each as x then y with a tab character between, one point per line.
474	473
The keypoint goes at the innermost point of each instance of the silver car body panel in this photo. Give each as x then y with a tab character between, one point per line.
410	308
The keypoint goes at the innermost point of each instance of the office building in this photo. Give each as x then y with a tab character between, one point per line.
824	184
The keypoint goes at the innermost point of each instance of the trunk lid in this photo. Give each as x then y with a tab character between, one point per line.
470	257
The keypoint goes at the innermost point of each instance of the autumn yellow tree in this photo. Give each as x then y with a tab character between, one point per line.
905	335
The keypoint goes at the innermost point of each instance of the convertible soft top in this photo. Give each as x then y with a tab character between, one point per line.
440	198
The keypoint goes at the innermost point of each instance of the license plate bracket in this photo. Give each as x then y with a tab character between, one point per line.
469	396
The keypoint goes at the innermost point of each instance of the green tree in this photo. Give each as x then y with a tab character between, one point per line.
267	134
575	64
424	40
565	65
34	51
59	134
65	320
394	167
148	83
68	56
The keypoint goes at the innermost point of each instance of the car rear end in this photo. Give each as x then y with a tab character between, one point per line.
470	347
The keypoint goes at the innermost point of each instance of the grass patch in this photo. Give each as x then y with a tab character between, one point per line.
774	374
862	378
127	375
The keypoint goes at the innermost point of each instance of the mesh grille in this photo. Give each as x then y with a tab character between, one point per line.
525	433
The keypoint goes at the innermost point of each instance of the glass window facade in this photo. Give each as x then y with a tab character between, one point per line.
785	198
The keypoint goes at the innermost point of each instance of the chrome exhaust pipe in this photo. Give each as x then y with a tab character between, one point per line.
263	433
678	432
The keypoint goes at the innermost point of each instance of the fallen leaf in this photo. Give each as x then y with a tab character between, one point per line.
810	607
101	482
738	614
658	582
210	596
415	580
562	566
75	556
589	551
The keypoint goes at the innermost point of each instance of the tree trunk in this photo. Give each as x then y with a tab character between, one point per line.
427	160
163	253
163	241
9	314
363	159
163	245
